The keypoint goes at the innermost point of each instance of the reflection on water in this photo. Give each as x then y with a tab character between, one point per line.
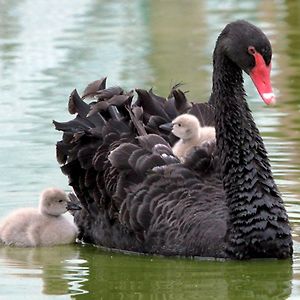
47	50
51	271
86	272
113	276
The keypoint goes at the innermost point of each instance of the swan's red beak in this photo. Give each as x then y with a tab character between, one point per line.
260	76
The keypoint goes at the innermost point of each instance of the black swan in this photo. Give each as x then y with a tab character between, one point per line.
222	202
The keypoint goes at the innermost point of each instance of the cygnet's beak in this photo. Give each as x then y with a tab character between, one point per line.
166	126
74	203
73	206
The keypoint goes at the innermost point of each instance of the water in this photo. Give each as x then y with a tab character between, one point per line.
47	48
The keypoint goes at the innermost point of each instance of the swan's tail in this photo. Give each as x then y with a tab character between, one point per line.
89	137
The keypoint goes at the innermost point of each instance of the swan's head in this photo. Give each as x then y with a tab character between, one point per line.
186	126
53	202
249	48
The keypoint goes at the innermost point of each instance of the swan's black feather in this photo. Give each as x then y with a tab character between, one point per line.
76	105
82	109
109	93
154	123
204	112
136	116
157	98
150	104
62	151
120	156
92	88
98	107
148	142
75	125
115	100
181	103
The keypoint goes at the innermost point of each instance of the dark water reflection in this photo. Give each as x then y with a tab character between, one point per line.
47	50
126	277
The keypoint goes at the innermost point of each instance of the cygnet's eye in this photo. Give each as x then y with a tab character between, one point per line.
179	125
60	201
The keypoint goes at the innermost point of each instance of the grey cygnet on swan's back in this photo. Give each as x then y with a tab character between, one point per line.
188	128
42	226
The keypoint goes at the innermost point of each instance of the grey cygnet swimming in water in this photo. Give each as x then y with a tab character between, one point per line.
42	226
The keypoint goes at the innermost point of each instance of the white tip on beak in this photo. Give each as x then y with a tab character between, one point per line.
269	98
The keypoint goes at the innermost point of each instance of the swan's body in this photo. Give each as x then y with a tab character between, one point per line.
191	134
43	226
137	196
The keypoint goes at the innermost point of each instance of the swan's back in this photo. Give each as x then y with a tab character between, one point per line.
176	213
136	195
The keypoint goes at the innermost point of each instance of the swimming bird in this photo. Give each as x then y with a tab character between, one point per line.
42	226
191	135
137	196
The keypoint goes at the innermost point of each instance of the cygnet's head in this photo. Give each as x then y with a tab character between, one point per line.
186	126
53	202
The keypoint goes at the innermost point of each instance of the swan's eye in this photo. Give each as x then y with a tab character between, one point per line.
179	125
60	201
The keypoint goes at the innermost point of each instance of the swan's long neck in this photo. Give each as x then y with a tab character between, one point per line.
258	223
